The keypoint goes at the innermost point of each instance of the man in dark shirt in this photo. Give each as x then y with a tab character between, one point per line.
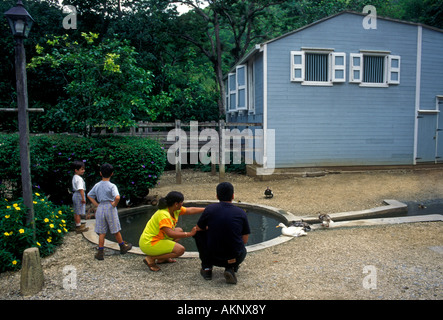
223	233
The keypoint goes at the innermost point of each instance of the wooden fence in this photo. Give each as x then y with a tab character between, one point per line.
160	132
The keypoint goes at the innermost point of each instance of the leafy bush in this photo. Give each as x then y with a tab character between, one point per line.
138	163
51	224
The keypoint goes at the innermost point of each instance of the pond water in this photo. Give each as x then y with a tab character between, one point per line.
261	222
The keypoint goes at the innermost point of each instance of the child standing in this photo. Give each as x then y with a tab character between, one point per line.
78	196
105	196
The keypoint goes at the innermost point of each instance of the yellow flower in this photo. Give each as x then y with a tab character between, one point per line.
46	220
34	202
38	243
49	240
59	212
37	194
6	234
65	229
8	207
17	208
15	205
14	262
59	231
51	225
7	216
63	221
42	200
21	230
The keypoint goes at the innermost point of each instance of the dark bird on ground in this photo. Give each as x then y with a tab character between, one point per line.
325	219
306	226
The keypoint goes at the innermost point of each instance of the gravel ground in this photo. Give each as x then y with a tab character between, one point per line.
380	262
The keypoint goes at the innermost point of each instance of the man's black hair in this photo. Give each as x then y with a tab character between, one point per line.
225	191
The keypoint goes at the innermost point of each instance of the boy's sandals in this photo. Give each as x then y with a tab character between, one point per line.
81	228
153	267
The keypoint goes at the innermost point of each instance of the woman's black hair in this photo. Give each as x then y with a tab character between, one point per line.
171	198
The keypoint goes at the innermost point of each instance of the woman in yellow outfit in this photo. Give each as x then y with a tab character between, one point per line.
158	240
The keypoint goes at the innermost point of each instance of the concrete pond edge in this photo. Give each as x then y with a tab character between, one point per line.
341	219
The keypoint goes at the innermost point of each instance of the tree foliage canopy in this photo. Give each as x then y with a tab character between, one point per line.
148	61
103	85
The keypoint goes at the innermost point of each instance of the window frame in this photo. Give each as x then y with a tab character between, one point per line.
388	68
234	87
332	66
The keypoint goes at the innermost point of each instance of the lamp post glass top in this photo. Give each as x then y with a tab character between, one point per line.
19	20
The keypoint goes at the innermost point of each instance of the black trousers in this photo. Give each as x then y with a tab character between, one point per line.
208	259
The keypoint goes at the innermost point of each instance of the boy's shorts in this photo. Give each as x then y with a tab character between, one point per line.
78	206
106	217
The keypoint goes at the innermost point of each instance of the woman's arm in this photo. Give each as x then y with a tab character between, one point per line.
179	234
193	210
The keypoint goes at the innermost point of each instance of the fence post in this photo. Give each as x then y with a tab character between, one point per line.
178	166
221	153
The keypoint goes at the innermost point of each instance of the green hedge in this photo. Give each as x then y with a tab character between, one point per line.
138	163
51	223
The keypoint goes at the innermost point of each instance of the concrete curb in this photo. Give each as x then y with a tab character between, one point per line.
392	206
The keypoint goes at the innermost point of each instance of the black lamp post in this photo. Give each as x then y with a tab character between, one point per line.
21	22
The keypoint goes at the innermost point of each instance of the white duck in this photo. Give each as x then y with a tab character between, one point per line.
291	231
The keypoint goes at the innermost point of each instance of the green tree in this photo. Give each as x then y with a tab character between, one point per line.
103	84
219	26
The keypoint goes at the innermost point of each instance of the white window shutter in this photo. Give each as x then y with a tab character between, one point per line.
393	69
242	93
232	92
356	68
338	67
226	84
297	66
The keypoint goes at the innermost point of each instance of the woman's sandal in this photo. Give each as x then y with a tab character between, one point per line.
169	260
153	267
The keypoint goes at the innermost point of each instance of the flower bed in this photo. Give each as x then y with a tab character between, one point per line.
51	224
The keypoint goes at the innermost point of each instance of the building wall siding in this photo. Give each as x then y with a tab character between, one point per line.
431	69
344	124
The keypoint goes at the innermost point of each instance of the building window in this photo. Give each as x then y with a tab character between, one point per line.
318	66
374	69
237	90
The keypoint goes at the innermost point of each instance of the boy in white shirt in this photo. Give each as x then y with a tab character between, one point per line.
78	196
